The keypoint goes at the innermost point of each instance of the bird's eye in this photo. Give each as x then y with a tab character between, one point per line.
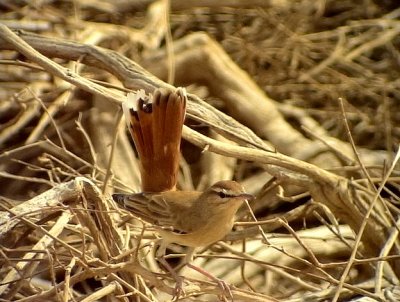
222	194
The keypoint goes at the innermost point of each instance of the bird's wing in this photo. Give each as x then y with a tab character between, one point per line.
167	210
150	207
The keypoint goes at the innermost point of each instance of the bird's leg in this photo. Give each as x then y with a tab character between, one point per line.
178	290
221	283
160	256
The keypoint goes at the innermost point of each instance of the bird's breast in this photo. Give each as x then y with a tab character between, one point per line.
209	233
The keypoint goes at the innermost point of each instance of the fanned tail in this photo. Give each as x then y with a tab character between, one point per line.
155	123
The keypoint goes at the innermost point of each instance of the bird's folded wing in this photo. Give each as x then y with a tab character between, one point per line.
149	207
171	210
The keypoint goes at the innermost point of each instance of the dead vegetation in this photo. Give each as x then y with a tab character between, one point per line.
297	100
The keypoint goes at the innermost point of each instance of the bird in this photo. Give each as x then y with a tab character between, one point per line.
189	218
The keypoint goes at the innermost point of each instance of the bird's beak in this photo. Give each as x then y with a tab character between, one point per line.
247	196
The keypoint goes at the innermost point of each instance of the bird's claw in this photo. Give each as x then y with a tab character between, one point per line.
178	290
225	289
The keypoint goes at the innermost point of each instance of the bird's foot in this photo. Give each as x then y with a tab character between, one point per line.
178	290
225	288
221	283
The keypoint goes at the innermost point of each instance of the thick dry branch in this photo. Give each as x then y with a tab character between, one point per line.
102	230
307	228
134	76
345	200
200	59
128	72
62	193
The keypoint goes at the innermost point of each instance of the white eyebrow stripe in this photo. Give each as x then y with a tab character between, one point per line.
228	193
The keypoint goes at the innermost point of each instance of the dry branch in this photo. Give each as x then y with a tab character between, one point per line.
72	234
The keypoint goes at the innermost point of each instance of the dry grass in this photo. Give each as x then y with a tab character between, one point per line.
300	107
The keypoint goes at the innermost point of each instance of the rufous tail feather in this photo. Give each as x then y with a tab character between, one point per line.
155	123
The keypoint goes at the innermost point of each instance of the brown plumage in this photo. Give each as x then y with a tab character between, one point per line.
189	218
155	123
